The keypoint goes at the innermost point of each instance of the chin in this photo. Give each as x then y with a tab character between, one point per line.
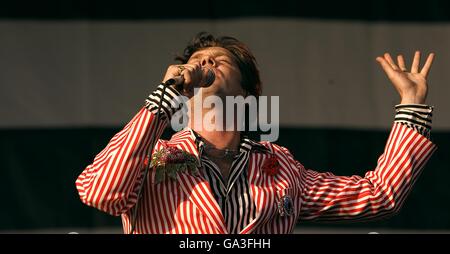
214	89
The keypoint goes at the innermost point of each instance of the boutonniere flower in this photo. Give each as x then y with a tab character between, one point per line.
271	166
170	161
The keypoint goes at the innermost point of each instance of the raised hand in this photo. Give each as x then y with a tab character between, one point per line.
411	85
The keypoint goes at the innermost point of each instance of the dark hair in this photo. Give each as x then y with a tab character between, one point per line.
241	54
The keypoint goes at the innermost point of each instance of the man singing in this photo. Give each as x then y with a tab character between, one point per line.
217	180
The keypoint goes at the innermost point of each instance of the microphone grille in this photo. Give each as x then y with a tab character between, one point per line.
209	77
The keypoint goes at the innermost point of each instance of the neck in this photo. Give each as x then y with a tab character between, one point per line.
219	139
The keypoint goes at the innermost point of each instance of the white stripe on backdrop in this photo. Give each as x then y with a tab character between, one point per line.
92	73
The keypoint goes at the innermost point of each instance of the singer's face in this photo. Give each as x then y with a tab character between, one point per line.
228	77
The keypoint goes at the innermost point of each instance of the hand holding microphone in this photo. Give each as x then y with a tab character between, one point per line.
184	78
188	76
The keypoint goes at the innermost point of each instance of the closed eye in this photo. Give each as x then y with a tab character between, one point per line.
224	59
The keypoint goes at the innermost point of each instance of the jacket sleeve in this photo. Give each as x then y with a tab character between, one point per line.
110	183
379	193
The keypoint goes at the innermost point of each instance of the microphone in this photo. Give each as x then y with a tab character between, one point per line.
208	78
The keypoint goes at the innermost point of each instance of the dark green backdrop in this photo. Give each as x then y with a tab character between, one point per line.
39	168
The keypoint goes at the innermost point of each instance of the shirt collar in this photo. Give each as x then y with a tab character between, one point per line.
245	145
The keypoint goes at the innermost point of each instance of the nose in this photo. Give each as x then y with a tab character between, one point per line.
208	60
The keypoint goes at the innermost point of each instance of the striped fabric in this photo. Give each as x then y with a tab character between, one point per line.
233	196
188	205
416	116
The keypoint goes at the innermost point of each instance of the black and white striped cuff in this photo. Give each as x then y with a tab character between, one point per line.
171	102
415	116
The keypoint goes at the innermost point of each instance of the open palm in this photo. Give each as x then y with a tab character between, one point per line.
411	85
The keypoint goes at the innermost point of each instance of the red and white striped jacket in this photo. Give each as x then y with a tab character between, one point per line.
110	184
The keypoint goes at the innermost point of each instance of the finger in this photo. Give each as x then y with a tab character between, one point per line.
415	63
195	71
388	58
172	71
193	68
426	68
192	75
386	66
401	63
187	75
183	71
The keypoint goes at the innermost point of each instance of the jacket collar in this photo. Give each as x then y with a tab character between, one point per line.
188	134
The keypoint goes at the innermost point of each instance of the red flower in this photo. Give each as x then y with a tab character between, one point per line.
146	161
271	166
174	155
170	161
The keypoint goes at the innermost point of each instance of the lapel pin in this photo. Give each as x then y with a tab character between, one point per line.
286	206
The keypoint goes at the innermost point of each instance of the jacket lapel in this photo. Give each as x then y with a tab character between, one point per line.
195	186
199	192
262	191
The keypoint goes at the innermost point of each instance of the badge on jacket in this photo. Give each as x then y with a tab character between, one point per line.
286	206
